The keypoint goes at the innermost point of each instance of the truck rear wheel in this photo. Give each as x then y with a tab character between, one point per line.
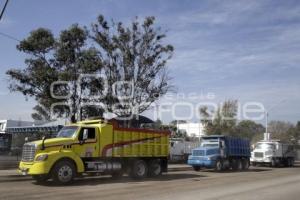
236	165
290	162
273	163
246	164
239	165
139	169
154	168
63	172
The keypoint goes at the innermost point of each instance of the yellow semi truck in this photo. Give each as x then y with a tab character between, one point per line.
96	147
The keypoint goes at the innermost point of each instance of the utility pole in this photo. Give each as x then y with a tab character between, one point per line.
2	12
267	135
266	113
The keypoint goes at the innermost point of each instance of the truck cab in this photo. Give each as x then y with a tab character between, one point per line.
221	152
273	153
71	147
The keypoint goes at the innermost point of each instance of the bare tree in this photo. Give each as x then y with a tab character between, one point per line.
135	59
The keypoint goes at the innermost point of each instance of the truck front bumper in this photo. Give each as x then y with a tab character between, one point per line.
33	168
202	163
261	160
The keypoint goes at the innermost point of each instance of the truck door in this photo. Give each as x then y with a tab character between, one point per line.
88	140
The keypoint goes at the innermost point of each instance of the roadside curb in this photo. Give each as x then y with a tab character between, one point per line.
8	165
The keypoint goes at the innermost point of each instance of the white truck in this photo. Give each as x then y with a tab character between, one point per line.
180	149
273	153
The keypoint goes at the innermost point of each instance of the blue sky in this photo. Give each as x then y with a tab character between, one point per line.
245	50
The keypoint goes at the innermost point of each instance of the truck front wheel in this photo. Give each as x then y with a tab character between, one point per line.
139	169
196	168
63	172
219	166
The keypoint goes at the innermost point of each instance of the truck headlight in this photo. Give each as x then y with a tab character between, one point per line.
42	157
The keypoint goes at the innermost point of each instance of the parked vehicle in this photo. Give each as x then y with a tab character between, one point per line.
273	153
180	149
221	152
95	147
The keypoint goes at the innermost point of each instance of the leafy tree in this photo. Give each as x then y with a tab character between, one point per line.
250	130
136	57
283	131
158	124
53	59
294	134
222	121
132	59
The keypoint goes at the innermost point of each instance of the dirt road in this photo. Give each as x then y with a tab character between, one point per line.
257	183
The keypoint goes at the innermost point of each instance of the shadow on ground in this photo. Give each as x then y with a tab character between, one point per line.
232	171
108	180
14	178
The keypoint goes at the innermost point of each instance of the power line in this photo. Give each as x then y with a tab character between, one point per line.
2	12
9	36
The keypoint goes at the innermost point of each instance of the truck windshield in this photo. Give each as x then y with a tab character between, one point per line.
67	132
265	146
209	143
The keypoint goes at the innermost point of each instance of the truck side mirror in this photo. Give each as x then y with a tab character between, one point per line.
85	134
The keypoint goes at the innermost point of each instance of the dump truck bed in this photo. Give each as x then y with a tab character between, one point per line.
134	142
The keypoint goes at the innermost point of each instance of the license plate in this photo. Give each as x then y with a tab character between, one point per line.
24	172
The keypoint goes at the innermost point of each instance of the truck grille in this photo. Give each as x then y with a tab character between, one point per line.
28	152
198	152
258	154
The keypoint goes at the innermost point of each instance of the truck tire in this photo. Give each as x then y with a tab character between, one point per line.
233	164
40	178
239	165
139	169
196	168
219	165
273	163
246	164
63	172
154	168
290	162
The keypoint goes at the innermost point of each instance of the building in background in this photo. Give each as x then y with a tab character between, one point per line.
191	129
8	123
14	133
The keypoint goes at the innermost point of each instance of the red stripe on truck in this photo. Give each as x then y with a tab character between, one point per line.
120	144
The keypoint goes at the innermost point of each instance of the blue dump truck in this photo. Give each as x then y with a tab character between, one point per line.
221	153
